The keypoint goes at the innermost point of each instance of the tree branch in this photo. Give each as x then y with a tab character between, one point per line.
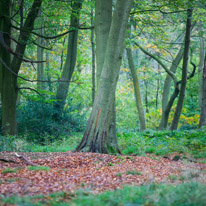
28	80
159	61
57	36
31	90
2	42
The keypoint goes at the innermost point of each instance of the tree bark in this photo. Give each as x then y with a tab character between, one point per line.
166	91
184	72
200	70
9	80
70	63
93	56
40	56
137	93
103	18
96	135
202	121
158	87
9	90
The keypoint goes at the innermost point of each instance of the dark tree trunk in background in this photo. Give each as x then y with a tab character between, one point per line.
184	72
96	135
137	93
166	103
200	70
93	56
9	80
70	63
203	107
40	54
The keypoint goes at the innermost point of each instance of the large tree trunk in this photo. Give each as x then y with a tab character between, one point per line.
70	63
96	135
137	93
103	18
9	81
40	56
9	88
184	72
203	108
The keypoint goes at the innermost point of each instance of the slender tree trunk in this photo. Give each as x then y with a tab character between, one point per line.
62	55
70	63
93	56
200	70
96	135
166	90
203	108
137	93
168	79
146	94
158	87
1	70
40	56
165	115
184	72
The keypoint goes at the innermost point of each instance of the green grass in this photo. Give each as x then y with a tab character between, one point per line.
133	172
164	142
160	143
41	168
9	170
187	194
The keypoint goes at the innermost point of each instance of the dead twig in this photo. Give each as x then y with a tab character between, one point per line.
29	162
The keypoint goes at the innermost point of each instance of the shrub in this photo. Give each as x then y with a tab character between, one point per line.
35	119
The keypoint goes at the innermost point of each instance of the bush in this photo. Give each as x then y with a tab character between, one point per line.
36	122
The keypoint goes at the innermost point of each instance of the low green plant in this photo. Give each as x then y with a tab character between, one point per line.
118	174
36	118
9	170
133	172
120	157
164	142
130	158
41	168
190	193
110	164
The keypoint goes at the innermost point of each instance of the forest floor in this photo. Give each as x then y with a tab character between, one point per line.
68	171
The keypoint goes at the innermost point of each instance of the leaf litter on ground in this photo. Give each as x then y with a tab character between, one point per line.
68	171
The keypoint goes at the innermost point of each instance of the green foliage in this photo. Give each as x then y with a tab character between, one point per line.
7	143
190	193
164	142
36	120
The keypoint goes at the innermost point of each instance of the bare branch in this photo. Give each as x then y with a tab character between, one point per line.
28	80
14	53
159	61
31	90
57	36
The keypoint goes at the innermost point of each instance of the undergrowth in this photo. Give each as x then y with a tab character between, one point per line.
190	193
163	143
